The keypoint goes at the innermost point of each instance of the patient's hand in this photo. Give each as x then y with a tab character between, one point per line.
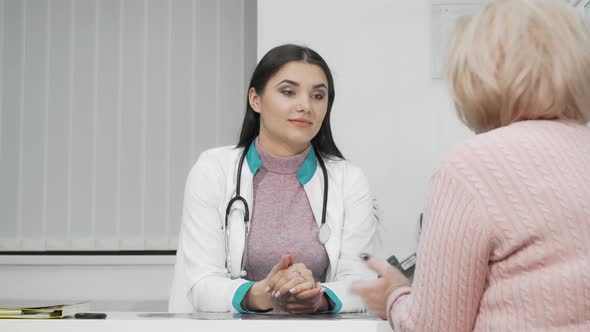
376	292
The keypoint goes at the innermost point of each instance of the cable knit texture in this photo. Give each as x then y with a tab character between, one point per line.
506	238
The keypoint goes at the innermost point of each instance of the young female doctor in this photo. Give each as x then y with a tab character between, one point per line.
276	223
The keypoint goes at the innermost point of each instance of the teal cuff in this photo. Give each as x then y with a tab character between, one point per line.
239	297
334	299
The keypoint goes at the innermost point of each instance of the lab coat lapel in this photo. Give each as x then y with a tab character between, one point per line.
315	194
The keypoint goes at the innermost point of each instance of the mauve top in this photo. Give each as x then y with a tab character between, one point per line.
282	220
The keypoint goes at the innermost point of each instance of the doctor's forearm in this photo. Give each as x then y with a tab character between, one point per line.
257	299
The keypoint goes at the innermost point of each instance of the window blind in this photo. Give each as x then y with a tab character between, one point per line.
104	107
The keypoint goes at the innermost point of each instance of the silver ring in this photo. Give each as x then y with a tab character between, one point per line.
299	274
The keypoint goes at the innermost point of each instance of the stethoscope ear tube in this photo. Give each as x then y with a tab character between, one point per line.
324	231
239	198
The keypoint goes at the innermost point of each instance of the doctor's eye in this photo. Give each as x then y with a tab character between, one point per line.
318	96
288	93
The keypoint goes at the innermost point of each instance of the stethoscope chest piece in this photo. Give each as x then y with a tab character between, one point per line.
324	233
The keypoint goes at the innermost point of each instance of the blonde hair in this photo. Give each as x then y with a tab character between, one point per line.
520	60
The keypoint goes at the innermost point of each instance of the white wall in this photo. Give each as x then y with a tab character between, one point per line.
389	116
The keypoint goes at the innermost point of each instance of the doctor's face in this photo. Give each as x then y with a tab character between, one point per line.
292	107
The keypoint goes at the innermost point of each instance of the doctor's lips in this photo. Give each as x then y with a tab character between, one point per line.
301	122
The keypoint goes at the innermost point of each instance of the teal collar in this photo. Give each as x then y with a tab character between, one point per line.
304	174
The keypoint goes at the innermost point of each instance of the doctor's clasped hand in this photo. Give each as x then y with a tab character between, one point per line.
288	287
295	290
258	297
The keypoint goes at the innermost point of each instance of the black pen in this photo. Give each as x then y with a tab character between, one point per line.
90	315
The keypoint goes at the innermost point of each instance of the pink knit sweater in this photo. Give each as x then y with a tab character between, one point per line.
506	238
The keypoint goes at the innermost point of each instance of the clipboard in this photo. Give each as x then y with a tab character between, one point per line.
33	311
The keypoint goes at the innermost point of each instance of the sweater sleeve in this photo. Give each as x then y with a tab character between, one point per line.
452	264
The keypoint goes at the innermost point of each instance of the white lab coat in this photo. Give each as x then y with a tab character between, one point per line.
200	281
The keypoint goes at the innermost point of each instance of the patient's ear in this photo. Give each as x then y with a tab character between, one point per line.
254	100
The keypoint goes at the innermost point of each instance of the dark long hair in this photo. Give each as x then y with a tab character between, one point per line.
272	62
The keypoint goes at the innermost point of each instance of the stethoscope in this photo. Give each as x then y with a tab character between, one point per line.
323	233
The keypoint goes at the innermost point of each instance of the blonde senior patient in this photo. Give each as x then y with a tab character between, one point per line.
276	222
506	238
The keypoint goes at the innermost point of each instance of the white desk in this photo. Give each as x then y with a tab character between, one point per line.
158	322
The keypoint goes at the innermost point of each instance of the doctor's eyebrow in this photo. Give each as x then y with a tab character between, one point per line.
318	86
315	87
288	82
